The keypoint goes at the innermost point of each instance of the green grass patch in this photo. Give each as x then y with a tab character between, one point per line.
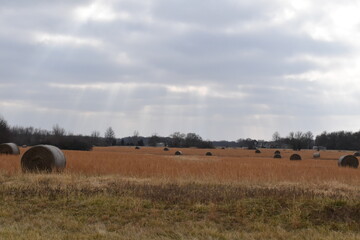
51	207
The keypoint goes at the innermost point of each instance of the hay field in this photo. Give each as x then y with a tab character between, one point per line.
123	193
227	165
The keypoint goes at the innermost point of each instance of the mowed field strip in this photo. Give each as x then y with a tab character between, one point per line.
226	165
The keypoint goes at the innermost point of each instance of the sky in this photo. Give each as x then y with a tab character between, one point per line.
225	69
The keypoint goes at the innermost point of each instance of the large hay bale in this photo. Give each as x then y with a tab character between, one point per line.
295	157
178	153
357	154
137	147
208	154
166	149
316	155
257	151
43	158
276	152
348	161
277	156
9	148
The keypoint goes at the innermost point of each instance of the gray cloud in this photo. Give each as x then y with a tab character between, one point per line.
209	13
202	66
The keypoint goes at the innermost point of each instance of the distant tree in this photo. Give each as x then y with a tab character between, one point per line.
73	143
95	134
192	140
58	131
249	143
300	140
135	137
153	140
95	138
5	133
309	139
23	135
206	144
195	140
140	142
58	134
276	137
110	137
177	139
339	140
322	139
293	141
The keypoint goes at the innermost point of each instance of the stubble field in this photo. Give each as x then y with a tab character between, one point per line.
123	193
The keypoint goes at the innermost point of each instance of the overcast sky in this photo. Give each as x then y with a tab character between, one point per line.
225	69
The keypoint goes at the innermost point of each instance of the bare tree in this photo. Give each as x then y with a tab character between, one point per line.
58	131
309	139
110	136
135	137
178	139
300	140
95	136
5	133
276	137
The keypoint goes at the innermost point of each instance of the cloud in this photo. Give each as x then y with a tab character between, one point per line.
225	69
71	41
96	11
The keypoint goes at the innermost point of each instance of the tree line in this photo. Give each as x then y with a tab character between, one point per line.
68	141
58	136
295	140
340	140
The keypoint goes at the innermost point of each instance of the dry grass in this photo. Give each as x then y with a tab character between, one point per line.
71	206
229	165
123	193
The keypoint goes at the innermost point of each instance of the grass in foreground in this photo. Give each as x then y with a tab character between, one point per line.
110	207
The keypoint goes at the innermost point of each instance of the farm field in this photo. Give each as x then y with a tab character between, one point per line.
123	193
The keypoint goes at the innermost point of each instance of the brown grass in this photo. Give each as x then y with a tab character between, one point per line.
123	193
230	165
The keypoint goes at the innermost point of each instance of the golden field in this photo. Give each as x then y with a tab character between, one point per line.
226	165
124	193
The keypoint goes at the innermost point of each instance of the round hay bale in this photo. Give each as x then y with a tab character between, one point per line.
316	155
166	149
9	148
276	152
223	148
178	153
257	151
137	147
357	154
348	161
208	154
277	156
295	157
43	158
